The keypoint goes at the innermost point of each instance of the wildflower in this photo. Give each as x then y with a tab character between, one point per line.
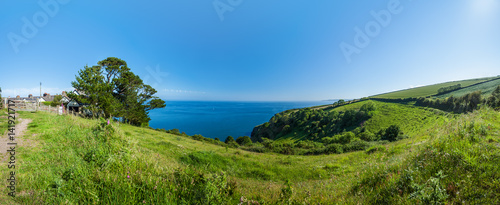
128	176
108	122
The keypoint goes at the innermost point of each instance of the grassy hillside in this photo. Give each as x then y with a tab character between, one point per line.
428	90
409	118
70	160
485	88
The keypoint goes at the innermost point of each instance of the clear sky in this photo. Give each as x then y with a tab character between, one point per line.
251	50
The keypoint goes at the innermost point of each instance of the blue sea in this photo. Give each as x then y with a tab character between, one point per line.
219	119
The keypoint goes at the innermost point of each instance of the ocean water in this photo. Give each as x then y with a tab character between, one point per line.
220	119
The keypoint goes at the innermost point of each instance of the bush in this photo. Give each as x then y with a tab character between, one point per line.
195	187
334	149
368	136
347	137
244	140
356	145
229	139
392	133
198	137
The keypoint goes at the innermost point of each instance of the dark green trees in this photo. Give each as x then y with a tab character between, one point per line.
244	140
494	99
111	89
229	139
392	133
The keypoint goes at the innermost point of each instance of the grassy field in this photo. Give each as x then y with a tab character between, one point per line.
429	89
485	88
3	121
79	161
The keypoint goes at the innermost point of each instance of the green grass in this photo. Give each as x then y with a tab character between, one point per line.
3	121
80	161
411	119
460	165
429	89
485	88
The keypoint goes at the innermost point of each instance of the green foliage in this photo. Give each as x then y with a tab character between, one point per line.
466	103
286	192
392	133
244	141
494	100
451	169
193	187
334	149
316	123
229	139
377	148
449	88
368	136
431	192
486	89
113	89
56	101
356	145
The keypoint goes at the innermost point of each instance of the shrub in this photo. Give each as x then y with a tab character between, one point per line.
198	137
193	187
431	192
244	140
356	145
229	139
368	136
286	192
347	137
334	149
392	133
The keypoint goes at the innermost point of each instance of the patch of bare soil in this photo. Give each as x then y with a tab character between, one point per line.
21	126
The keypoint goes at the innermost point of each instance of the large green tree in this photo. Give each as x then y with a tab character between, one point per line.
111	89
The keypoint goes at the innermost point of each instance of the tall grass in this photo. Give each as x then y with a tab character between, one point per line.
458	166
92	162
80	161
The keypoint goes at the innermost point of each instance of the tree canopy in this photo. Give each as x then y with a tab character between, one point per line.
110	88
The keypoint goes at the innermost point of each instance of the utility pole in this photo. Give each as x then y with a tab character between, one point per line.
39	98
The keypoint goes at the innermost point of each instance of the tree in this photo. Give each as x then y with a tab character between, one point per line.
496	92
392	133
56	101
244	140
113	89
229	139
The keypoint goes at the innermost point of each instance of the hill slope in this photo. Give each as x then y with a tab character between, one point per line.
486	89
76	160
429	90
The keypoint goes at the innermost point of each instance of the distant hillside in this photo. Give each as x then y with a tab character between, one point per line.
485	88
429	90
364	119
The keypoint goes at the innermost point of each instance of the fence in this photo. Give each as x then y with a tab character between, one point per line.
57	110
31	106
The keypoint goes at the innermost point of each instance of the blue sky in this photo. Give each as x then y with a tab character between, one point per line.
242	50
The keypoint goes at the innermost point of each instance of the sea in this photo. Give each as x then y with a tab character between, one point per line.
220	119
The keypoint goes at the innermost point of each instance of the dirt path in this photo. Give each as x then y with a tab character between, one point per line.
21	126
